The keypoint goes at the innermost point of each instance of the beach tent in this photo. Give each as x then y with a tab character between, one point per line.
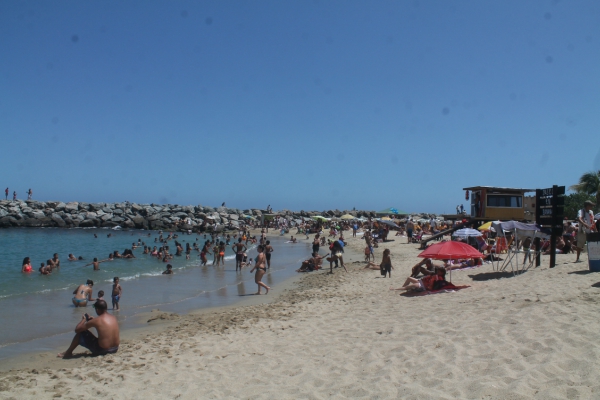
391	211
519	230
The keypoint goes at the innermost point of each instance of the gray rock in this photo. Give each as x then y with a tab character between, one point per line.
208	209
118	211
107	210
84	206
117	219
96	206
38	214
88	223
108	224
233	217
140	222
72	206
180	215
136	208
7	222
107	217
188	209
60	206
58	220
128	224
91	215
32	222
3	212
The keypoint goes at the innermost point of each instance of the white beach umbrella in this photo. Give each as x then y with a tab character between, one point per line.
466	232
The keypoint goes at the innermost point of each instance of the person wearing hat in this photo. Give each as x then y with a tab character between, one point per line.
585	217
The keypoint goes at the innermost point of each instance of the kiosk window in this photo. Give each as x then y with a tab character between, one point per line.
500	200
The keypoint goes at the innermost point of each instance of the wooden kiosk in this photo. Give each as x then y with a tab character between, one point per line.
496	203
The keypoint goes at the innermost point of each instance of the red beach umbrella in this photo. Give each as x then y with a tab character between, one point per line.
450	251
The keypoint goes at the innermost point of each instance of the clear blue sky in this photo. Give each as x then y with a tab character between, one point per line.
297	104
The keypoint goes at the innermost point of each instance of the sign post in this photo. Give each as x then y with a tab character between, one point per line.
549	213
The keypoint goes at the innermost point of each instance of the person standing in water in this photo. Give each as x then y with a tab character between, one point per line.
83	294
261	268
268	251
239	248
26	267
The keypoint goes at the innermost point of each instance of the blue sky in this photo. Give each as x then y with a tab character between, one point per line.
297	104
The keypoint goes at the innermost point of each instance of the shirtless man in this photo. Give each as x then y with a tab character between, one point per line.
268	251
239	248
410	226
96	264
83	294
425	267
369	241
107	327
55	261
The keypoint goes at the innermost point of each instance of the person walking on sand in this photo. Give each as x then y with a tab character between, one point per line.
585	217
106	326
410	226
261	268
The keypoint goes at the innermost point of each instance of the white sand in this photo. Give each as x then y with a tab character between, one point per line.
347	336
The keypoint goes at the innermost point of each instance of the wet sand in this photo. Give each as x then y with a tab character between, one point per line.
345	335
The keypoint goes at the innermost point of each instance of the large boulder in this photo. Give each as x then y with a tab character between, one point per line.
72	206
96	206
32	222
106	217
38	214
58	220
118	211
136	208
140	222
7	222
157	224
108	224
87	223
128	224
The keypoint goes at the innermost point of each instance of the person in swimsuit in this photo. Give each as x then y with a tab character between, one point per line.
26	267
107	327
239	248
169	270
386	264
221	258
268	251
423	284
261	268
315	244
116	293
83	294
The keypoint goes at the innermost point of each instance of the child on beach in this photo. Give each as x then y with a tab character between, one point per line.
169	270
116	293
100	295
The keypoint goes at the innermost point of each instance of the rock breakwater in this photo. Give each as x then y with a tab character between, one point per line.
32	213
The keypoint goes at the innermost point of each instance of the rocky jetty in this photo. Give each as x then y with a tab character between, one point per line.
127	215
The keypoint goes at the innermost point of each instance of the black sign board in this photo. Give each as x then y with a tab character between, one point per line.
549	213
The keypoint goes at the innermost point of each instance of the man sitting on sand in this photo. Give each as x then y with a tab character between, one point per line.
425	267
107	327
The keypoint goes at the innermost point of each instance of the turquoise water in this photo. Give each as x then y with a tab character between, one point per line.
36	309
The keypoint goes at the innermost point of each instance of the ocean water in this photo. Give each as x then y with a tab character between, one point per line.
37	312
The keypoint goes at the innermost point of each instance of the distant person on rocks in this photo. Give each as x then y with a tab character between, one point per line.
29	194
462	209
458	209
15	195
6	193
83	294
106	326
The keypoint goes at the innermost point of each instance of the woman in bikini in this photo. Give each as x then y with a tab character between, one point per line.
221	258
26	267
261	268
83	294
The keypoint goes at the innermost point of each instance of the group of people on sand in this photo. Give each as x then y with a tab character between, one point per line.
336	255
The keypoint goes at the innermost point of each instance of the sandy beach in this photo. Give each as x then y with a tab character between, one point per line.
346	335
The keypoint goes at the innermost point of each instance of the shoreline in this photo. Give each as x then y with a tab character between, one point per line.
533	335
160	321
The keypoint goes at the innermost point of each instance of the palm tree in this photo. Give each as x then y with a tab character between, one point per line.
589	183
